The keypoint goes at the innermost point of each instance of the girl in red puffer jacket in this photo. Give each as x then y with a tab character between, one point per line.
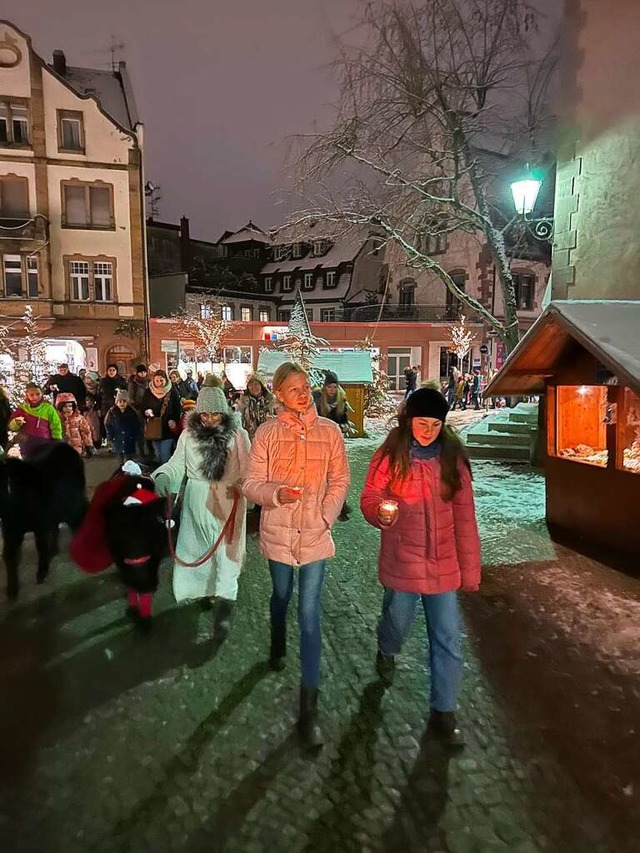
418	492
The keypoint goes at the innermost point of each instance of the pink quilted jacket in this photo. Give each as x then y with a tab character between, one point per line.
434	545
305	451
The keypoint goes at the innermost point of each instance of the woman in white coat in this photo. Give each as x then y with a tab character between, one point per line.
213	453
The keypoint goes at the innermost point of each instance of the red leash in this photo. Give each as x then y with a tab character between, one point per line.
228	525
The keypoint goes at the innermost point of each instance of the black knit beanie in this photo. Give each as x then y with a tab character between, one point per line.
330	378
427	403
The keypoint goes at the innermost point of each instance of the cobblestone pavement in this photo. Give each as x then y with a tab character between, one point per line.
112	741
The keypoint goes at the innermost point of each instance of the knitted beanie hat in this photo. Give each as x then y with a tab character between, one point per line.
330	378
212	400
122	396
427	403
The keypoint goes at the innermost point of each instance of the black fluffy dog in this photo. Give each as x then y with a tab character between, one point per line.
36	495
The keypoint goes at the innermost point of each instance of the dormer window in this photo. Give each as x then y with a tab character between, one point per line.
319	248
308	281
330	280
296	250
279	252
268	284
286	282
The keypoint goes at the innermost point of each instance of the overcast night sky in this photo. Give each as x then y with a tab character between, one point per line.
219	86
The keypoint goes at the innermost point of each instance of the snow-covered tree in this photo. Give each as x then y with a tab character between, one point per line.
428	89
204	325
377	400
461	338
300	343
22	341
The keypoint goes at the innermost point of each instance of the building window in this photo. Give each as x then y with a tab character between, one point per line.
20	273
296	250
226	313
330	280
328	315
14	197
453	306
70	131
268	284
103	281
14	122
286	282
406	297
524	287
284	316
264	315
433	244
91	279
245	314
319	248
87	205
308	281
205	311
279	252
79	280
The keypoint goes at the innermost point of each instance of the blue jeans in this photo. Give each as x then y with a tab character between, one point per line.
309	595
162	450
443	629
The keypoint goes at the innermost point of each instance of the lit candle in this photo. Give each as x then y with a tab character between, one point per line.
388	509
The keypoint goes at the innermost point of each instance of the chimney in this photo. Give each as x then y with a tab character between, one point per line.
60	63
185	244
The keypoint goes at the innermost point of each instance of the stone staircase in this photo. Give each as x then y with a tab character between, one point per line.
507	434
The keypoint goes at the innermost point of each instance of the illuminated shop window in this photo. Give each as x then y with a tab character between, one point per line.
629	432
581	431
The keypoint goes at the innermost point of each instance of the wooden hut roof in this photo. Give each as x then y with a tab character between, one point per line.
608	329
350	367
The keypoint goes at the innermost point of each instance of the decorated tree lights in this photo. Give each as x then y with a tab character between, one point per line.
461	338
378	403
28	354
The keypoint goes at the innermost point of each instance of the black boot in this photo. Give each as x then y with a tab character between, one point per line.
308	727
223	609
278	653
444	726
386	668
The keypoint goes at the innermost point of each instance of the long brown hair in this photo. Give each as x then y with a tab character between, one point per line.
397	446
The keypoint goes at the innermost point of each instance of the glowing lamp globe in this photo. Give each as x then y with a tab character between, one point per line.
525	193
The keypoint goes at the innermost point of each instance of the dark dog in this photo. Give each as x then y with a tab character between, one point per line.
136	535
36	495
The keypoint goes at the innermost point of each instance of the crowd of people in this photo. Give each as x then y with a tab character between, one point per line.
282	449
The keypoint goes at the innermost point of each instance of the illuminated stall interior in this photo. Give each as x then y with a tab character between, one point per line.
583	357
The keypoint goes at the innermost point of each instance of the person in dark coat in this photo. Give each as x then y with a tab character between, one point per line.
65	382
109	384
331	402
5	417
123	426
161	400
138	384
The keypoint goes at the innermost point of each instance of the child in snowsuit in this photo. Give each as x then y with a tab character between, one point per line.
36	421
75	429
123	427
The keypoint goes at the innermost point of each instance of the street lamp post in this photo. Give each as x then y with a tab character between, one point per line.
524	191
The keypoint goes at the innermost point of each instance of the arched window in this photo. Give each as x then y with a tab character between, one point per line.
453	305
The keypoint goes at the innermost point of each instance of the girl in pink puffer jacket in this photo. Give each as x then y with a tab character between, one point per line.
298	473
418	492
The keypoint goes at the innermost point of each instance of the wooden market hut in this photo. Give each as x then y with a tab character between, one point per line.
584	357
353	369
